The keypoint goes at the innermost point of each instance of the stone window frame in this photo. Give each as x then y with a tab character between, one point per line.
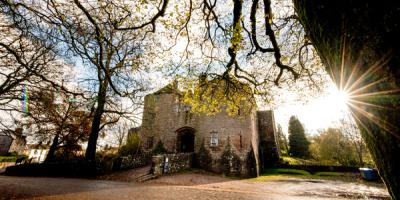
214	139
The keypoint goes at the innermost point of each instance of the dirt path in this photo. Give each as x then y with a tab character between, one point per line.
184	186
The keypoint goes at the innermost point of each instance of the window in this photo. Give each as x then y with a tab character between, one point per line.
241	143
150	141
187	116
214	139
187	108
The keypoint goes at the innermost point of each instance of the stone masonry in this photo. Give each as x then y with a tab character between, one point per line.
167	119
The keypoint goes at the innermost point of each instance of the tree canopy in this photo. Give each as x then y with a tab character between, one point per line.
332	146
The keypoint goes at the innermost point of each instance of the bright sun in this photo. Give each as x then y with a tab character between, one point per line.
318	113
339	99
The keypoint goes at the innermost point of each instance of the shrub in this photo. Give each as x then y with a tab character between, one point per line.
106	161
159	149
131	147
62	155
333	147
203	159
12	154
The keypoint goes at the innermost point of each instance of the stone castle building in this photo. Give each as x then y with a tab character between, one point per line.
239	145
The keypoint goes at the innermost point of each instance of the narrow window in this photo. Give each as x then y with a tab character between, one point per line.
214	139
241	144
186	117
150	141
187	113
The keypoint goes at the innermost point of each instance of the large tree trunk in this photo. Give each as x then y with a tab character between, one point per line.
361	38
53	148
94	134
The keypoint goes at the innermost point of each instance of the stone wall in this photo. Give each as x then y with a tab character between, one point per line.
164	114
130	162
266	125
171	163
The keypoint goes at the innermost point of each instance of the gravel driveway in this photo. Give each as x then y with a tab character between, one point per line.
185	186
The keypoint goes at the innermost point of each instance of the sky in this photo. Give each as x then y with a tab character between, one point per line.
317	113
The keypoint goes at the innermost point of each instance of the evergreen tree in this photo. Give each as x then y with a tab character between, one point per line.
203	158
298	143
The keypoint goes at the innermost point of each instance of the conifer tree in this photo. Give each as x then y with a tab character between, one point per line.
298	143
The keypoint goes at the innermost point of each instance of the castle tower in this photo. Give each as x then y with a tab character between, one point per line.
268	147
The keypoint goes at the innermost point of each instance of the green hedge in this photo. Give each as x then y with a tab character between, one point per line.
8	158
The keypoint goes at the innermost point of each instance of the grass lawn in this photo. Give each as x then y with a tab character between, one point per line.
300	161
283	173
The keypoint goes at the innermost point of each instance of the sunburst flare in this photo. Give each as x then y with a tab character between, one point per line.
366	91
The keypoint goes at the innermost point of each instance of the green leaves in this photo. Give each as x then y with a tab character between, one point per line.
220	94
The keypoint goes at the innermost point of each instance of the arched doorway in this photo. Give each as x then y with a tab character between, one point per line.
185	139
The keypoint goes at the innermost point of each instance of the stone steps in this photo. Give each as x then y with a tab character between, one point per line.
145	178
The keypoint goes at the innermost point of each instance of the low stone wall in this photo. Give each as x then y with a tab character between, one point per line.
139	160
171	163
